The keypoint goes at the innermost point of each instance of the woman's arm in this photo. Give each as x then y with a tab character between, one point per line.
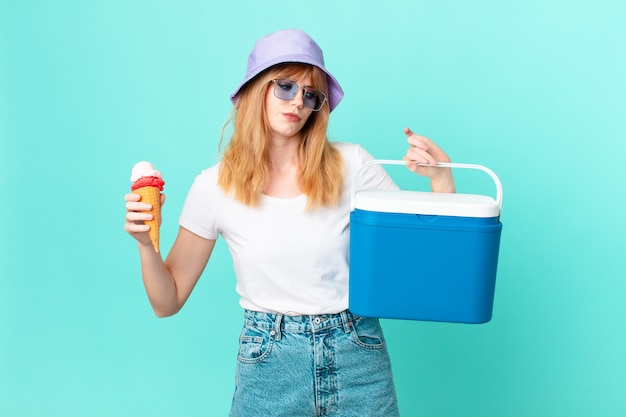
168	284
424	151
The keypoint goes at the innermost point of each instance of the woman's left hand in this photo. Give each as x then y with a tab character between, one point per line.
424	151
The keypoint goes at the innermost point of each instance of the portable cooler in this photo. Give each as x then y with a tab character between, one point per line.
424	256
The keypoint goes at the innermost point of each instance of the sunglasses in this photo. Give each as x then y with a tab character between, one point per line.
285	89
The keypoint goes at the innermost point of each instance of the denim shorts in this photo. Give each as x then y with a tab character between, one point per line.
332	365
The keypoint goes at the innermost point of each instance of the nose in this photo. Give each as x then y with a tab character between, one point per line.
298	99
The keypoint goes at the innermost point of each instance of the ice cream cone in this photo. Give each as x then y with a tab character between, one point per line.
152	195
148	183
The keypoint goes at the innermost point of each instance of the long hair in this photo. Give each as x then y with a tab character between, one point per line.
245	164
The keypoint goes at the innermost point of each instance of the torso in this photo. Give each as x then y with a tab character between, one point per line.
287	259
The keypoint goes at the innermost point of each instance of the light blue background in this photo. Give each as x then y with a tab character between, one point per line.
534	90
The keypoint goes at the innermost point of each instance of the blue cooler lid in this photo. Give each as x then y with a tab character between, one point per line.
429	203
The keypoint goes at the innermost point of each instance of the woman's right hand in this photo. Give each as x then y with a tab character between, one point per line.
136	217
168	283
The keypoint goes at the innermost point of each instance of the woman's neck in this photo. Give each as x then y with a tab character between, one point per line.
283	169
284	154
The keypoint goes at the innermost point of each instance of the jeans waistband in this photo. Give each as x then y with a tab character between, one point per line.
300	324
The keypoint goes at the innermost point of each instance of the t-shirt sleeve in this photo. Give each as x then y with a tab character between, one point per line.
199	214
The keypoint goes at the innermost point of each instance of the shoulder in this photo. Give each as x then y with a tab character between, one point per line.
346	148
204	184
352	151
354	157
353	154
211	172
208	176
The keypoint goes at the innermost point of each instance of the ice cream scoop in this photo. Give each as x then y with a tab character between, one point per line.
143	169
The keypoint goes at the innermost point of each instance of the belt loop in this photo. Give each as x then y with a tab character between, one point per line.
277	323
347	324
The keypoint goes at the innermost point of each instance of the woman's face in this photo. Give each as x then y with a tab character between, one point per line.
287	117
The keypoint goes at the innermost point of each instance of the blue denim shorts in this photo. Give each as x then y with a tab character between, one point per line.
332	365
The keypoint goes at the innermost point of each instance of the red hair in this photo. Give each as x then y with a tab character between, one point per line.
245	164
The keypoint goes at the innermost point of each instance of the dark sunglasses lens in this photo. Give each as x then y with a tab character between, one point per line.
313	99
285	89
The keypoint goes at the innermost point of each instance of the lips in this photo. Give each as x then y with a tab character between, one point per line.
292	117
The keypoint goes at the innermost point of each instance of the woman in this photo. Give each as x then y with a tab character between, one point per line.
280	198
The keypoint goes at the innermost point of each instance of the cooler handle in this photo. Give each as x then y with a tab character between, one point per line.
492	174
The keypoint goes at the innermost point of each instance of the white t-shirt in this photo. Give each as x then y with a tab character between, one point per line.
287	260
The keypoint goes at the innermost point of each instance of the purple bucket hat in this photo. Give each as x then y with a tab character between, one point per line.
290	45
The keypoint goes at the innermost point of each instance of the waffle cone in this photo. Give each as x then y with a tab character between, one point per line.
152	195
